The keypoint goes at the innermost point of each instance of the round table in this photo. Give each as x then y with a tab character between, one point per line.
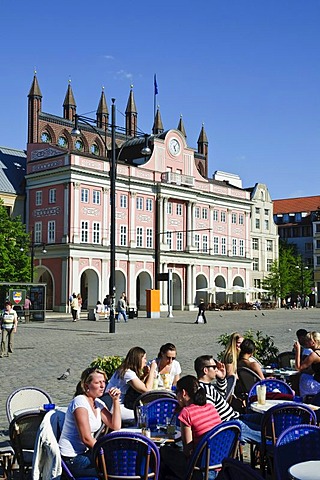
257	407
305	470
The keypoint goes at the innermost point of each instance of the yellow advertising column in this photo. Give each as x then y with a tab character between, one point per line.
153	303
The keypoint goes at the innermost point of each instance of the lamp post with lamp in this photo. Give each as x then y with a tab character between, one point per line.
112	157
302	269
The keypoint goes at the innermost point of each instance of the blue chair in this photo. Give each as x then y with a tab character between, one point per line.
234	469
125	455
160	409
220	442
299	443
271	384
275	421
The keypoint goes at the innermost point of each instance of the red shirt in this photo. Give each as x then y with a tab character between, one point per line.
200	418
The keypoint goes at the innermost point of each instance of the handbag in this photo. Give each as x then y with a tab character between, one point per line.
130	398
200	319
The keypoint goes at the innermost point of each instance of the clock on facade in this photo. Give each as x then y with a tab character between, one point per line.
174	146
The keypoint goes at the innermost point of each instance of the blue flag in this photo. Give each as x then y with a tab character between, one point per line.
156	91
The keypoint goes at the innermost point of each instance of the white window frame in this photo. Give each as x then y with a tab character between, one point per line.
255	244
179	241
149	204
205	244
269	246
223	217
197	212
149	237
51	231
123	201
241	247
223	246
234	246
241	219
96	229
234	218
169	208
123	235
139	236
216	245
169	240
96	197
38	200
139	203
84	195
204	214
52	195
255	264
215	215
179	209
84	231
197	241
37	232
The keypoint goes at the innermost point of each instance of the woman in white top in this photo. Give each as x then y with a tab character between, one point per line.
132	372
167	363
83	418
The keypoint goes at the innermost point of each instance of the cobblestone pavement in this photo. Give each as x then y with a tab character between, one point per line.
43	351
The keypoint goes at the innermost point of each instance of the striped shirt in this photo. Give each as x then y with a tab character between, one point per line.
200	418
215	397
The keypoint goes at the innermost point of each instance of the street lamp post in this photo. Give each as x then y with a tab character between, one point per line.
145	151
302	268
33	246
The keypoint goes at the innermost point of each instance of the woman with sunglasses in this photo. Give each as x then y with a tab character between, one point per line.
196	417
166	363
83	418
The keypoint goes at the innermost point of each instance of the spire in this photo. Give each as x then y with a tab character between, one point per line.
34	109
181	127
102	112
35	89
158	125
131	115
202	164
69	104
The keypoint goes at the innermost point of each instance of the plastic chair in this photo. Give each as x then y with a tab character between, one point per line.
234	469
299	443
148	397
283	359
23	431
231	385
124	455
271	384
25	399
159	410
220	442
275	421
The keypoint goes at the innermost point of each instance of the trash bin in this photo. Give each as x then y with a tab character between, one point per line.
91	314
131	313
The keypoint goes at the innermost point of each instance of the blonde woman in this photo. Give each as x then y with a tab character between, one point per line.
309	382
231	353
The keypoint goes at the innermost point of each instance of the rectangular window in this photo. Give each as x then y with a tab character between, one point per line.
241	248
257	222
234	218
52	195
269	246
179	241
149	237
139	237
96	197
51	231
84	195
318	262
215	215
96	232
123	201
169	240
223	246
204	213
266	211
234	246
39	197
269	264
179	209
169	208
205	243
38	232
197	242
255	244
241	219
84	231
139	203
149	204
257	283
197	212
257	210
266	224
255	264
223	217
123	235
215	245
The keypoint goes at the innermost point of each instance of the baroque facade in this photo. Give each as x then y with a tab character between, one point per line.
169	214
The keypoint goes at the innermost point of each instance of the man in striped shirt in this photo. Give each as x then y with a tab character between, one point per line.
208	370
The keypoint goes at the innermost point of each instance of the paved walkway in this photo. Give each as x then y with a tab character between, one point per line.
44	350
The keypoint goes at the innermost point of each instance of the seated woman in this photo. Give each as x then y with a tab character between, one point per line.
83	418
309	384
196	417
166	363
133	372
247	350
231	353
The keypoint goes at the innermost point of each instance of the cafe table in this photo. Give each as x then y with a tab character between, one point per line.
159	437
259	408
305	470
282	373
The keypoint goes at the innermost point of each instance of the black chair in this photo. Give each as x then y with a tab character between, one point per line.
235	469
246	379
283	359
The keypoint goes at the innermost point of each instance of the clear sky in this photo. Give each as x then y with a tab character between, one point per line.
248	69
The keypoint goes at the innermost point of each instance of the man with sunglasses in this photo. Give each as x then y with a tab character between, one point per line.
208	370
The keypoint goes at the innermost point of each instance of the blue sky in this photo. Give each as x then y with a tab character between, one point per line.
248	69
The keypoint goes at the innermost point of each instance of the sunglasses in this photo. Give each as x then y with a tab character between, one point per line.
170	358
211	366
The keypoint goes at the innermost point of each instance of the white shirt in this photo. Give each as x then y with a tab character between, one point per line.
70	442
174	370
121	383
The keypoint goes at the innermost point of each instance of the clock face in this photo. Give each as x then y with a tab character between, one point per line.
174	146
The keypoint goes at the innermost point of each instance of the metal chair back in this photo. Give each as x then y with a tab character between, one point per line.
220	442
283	359
298	443
26	398
149	397
273	385
126	456
159	410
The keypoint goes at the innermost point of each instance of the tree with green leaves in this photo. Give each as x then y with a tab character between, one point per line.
14	249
